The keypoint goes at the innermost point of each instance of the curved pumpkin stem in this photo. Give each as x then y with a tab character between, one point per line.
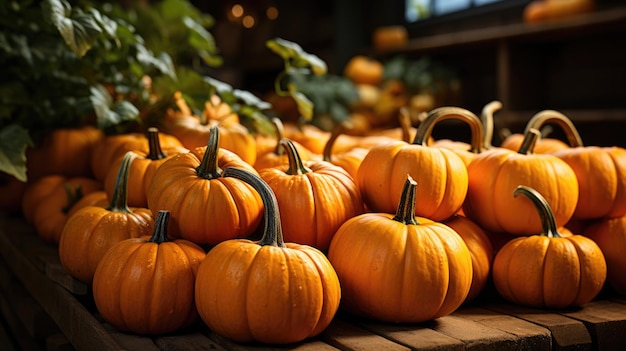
279	128
552	116
443	113
73	195
159	234
406	208
486	117
296	166
272	230
209	168
155	152
335	133
528	144
404	118
119	199
548	223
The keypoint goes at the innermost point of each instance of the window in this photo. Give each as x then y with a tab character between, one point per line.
417	10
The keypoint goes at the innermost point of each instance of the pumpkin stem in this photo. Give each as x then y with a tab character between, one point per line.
530	139
279	128
425	128
119	199
552	116
272	230
159	234
486	117
155	152
406	208
73	195
335	133
548	223
404	119
209	168
296	166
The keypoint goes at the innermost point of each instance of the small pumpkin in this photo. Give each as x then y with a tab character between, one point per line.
610	235
548	270
92	230
268	291
349	160
401	268
146	285
142	169
276	155
205	206
315	197
497	172
441	173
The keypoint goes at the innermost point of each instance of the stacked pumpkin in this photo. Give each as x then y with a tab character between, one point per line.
401	232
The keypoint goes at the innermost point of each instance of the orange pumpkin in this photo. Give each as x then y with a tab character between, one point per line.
548	270
276	155
142	169
361	69
315	198
610	235
267	291
92	230
497	172
49	201
400	268
349	160
146	285
64	151
205	206
310	136
193	131
441	173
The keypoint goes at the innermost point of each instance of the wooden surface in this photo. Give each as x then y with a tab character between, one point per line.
45	309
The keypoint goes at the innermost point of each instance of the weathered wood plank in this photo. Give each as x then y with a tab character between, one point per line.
307	345
23	340
606	322
58	342
54	271
475	336
5	339
346	336
187	342
415	336
37	322
567	333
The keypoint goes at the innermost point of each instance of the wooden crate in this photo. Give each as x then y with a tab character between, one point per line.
43	308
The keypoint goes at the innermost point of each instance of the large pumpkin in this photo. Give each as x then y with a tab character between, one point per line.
495	173
401	268
146	285
267	291
610	235
441	173
315	198
91	231
548	270
205	206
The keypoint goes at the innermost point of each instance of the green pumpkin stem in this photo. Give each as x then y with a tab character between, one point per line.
540	119
279	129
528	144
73	195
159	234
272	230
119	199
437	115
154	144
548	223
296	166
209	168
406	208
486	117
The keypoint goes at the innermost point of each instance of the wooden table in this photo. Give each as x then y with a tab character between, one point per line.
43	308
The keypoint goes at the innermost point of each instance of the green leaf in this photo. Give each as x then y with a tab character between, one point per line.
108	113
296	57
79	32
305	106
14	140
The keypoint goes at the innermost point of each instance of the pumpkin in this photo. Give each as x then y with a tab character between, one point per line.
547	270
193	131
441	173
601	172
361	69
64	151
142	169
205	207
277	156
544	145
610	235
48	202
481	251
270	291
549	10
92	230
465	151
146	285
497	172
315	198
349	160
310	136
114	147
400	268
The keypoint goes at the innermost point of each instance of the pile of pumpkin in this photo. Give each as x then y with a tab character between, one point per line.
264	238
